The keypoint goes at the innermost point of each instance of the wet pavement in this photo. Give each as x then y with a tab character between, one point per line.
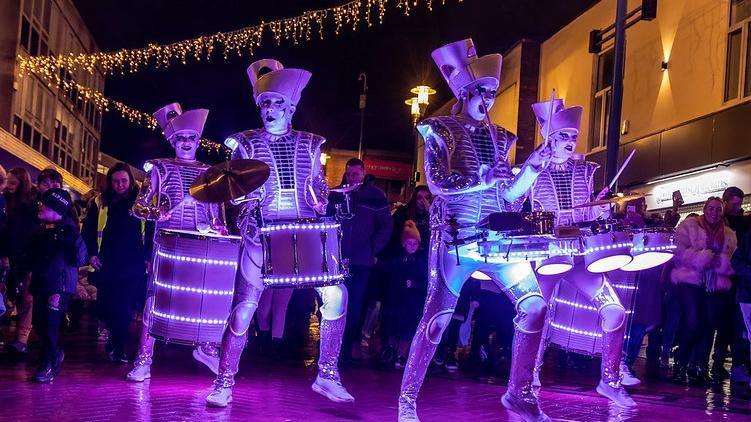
92	389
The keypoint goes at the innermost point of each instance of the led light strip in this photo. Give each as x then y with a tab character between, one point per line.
608	247
299	279
181	258
189	319
194	290
316	226
574	330
655	248
624	286
580	306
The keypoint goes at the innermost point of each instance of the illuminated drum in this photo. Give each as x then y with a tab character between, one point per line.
574	322
302	253
651	247
193	283
606	248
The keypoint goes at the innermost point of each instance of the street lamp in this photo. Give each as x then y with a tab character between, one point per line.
417	106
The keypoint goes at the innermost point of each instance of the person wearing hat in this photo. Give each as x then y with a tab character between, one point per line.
467	169
53	255
566	183
165	198
296	188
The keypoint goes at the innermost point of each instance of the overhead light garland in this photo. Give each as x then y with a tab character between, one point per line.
239	42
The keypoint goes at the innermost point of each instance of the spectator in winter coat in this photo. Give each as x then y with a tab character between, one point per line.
54	253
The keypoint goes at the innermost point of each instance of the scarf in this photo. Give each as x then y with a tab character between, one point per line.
715	234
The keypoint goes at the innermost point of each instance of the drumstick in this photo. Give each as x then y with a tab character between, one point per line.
606	189
313	194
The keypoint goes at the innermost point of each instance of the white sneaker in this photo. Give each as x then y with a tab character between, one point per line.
529	412
627	378
220	397
407	412
332	390
619	395
211	362
139	373
739	374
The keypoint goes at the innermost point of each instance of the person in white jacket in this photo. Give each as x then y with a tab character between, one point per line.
704	248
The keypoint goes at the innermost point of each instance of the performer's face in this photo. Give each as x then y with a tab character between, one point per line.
276	113
563	144
186	144
479	101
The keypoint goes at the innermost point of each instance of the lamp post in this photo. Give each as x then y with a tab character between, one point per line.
417	106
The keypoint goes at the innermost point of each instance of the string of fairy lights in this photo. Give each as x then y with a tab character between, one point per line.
56	70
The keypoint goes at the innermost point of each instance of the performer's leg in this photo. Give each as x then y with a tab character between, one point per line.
142	365
519	283
247	294
280	302
439	307
547	286
613	324
333	320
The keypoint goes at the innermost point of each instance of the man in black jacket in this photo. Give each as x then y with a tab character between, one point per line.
732	199
53	256
365	233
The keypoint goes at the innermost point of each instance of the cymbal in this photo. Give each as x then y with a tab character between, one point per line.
613	200
229	180
346	188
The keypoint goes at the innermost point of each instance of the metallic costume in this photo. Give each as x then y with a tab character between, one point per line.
296	188
564	184
458	155
165	198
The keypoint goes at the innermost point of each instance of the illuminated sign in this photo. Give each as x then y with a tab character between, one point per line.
696	188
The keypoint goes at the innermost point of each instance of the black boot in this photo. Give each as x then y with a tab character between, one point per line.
698	377
45	373
680	374
58	363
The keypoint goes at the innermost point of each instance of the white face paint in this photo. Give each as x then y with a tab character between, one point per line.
478	101
186	144
276	113
563	144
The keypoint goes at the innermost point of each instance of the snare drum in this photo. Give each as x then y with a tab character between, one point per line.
193	282
302	253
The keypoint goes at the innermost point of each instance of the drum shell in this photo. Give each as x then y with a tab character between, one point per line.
193	280
603	245
302	254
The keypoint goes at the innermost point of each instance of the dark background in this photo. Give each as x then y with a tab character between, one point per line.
395	56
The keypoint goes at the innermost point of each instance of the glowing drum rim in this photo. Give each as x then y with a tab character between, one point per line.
302	253
607	251
652	247
503	249
193	280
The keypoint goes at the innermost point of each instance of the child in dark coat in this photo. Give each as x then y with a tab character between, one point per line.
54	253
409	286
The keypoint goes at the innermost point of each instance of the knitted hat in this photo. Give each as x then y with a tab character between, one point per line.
410	231
57	200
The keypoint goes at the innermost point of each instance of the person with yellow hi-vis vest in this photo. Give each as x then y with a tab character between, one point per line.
115	242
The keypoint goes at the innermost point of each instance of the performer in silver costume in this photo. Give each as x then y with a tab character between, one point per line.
165	198
467	171
295	189
564	184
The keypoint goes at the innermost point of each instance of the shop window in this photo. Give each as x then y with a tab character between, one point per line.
601	100
738	52
26	133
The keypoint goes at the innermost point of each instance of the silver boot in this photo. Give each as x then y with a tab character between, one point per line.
328	383
519	397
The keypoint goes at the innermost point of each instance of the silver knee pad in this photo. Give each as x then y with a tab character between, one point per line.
612	313
530	316
334	300
242	314
437	324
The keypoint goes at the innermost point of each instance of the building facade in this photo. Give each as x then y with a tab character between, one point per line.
687	86
40	125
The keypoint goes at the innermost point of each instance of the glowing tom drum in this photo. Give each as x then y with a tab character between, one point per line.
652	247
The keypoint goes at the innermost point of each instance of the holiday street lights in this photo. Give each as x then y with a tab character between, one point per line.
417	106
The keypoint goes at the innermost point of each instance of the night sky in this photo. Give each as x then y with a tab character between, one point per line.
395	56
